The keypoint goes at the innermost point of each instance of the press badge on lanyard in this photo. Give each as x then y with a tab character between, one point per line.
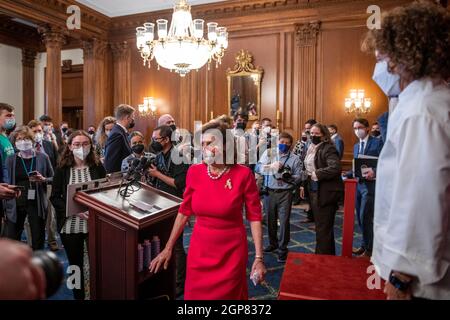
31	191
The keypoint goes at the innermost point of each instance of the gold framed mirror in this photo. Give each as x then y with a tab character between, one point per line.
244	86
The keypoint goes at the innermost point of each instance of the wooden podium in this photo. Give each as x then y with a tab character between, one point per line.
116	227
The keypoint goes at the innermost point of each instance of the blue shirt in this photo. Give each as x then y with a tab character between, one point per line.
272	179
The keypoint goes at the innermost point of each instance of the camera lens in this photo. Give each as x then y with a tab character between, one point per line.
53	270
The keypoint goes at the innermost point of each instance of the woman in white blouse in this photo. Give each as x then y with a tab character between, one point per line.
411	248
79	163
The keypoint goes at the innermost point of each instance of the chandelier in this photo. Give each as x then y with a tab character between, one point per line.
357	103
183	47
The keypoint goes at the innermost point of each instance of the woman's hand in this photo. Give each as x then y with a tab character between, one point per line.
83	215
37	178
260	268
161	260
302	192
393	293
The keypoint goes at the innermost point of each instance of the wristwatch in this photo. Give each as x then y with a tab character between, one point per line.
397	283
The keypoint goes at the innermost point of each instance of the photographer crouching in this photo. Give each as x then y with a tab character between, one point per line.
282	172
170	176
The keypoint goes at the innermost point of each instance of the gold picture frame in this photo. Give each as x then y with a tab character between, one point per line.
244	86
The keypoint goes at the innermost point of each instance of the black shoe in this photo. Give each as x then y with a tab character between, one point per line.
282	257
270	248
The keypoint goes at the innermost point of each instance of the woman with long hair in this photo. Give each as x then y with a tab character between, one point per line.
102	134
78	164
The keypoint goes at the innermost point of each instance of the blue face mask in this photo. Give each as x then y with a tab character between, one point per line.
9	123
284	148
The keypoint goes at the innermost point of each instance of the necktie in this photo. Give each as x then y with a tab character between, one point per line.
361	150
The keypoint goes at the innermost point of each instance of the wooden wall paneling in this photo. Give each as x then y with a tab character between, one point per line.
306	42
53	39
28	61
97	91
346	68
72	89
122	72
161	84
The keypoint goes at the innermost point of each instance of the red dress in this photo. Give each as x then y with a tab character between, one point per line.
218	253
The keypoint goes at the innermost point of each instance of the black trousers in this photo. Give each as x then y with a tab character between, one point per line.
37	225
180	260
324	222
279	207
74	246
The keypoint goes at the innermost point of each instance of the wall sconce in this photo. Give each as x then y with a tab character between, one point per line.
148	108
357	103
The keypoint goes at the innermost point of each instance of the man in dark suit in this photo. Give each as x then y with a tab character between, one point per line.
337	140
117	146
365	192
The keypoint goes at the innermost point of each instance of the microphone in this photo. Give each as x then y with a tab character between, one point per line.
132	168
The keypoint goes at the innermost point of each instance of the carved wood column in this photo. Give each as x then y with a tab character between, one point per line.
53	39
28	60
122	72
306	38
95	82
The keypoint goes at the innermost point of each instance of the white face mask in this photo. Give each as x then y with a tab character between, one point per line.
208	156
388	82
24	145
267	130
38	137
81	152
360	133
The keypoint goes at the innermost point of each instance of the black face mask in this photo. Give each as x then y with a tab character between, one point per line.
240	125
156	146
316	139
64	130
91	132
138	148
304	139
376	133
132	124
173	127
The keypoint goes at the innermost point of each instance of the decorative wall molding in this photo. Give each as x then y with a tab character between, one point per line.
52	36
306	33
120	50
28	57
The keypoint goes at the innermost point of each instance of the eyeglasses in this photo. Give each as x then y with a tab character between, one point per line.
157	139
84	144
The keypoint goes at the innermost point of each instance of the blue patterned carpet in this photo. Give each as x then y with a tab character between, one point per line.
302	240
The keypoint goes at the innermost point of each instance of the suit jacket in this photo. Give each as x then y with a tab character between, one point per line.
373	148
328	172
117	148
51	151
339	144
59	190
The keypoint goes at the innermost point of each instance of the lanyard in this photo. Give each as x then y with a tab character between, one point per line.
25	167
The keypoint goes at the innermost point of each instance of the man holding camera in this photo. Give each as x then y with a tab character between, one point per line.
170	177
282	172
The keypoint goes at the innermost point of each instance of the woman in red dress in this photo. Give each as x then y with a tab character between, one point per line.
216	194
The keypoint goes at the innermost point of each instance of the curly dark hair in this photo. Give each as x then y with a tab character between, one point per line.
416	39
67	158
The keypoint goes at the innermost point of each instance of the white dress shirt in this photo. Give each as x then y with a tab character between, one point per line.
365	140
412	198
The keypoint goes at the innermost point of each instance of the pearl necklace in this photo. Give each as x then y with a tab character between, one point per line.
221	173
